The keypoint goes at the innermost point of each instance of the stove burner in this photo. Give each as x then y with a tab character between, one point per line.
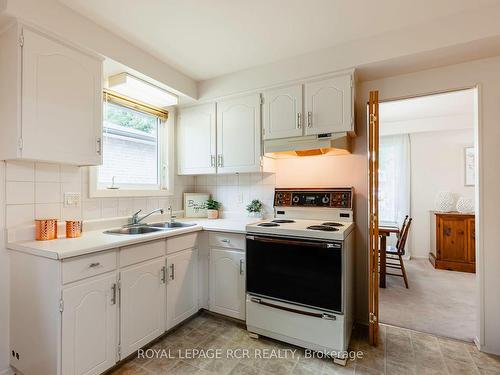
268	225
323	228
282	221
332	224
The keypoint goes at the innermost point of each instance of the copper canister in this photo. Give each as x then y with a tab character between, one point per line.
73	228
45	229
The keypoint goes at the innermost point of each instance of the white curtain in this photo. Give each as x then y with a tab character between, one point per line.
394	179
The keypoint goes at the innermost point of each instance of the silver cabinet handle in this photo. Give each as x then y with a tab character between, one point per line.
172	271
164	274
219	160
309	119
241	267
113	294
225	240
99	146
94	265
299	120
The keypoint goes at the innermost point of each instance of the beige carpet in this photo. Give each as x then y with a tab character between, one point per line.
437	301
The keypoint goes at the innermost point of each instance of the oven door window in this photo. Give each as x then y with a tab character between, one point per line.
302	272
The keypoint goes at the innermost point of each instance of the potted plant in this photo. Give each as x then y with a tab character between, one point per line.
255	208
212	208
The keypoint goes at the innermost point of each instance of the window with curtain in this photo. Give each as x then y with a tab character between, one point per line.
394	179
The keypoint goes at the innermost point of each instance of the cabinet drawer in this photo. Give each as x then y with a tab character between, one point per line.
228	240
182	242
81	267
141	252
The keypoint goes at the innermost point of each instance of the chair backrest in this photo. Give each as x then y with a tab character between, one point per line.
401	231
404	235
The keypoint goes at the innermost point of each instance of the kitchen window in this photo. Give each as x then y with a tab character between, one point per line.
136	149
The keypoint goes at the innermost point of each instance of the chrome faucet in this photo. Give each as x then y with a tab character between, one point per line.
172	216
136	219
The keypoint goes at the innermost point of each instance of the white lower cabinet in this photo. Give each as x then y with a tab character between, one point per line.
227	282
142	305
182	286
89	326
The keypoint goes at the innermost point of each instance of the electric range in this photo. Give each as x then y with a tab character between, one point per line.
300	269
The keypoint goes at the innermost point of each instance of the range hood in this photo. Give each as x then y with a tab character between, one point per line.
311	145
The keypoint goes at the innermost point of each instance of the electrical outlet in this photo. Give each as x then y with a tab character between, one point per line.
72	199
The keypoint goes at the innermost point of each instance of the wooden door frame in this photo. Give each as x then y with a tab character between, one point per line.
478	193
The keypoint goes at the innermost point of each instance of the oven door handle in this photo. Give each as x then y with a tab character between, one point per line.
295	311
324	245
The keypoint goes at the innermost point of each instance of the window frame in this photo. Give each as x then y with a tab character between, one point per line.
165	160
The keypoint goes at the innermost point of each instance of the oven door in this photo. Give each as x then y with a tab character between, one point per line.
303	272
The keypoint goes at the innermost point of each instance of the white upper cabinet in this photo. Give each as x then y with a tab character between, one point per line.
329	105
282	112
239	135
182	286
143	304
58	109
196	140
89	327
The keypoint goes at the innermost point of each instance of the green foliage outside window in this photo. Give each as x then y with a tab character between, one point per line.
129	118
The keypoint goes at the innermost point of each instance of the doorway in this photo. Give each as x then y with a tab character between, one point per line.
426	213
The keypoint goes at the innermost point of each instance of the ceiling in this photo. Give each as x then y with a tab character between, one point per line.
445	111
210	38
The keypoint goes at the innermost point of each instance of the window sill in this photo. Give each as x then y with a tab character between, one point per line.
113	193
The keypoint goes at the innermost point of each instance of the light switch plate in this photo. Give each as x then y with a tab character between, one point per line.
72	199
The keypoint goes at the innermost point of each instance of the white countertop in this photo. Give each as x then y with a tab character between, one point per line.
96	240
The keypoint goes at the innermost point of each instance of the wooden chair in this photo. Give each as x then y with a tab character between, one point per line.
396	252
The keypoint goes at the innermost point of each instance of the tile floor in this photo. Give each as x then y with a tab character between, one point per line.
438	301
400	352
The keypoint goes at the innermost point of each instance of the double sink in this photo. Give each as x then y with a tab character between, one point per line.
149	228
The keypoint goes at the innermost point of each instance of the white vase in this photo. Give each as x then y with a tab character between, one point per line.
465	205
445	201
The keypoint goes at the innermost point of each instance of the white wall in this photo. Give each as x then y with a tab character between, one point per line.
437	164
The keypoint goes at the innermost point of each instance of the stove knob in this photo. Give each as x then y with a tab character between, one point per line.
325	199
296	199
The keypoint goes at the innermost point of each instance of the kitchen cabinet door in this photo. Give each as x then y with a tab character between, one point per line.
89	327
239	135
61	102
227	282
282	112
329	106
142	305
196	140
182	286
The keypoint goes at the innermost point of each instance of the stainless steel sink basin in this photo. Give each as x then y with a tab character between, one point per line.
170	225
133	230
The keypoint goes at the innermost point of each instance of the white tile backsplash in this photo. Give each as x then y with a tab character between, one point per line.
20	192
45	172
20	171
235	191
48	192
37	190
19	214
48	211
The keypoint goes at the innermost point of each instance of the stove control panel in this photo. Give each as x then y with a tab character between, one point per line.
333	198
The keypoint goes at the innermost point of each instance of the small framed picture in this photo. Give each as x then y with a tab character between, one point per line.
195	204
470	166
